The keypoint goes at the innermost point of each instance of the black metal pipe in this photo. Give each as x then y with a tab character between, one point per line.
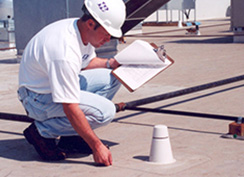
182	92
15	117
192	114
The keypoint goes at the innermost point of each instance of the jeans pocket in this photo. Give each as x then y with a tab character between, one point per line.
34	109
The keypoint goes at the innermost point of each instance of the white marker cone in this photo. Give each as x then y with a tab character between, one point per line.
161	152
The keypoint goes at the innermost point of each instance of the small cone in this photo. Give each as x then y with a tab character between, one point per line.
161	152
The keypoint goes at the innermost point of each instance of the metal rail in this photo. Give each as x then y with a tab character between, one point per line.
15	117
192	114
182	92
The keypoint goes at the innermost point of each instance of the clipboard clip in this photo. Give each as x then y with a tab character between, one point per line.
161	52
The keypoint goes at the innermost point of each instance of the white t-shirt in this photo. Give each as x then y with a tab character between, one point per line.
53	59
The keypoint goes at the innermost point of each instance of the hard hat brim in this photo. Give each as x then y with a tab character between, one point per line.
114	33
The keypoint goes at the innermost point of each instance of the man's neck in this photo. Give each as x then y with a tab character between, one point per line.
83	30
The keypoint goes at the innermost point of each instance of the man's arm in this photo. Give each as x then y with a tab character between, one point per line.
101	154
102	63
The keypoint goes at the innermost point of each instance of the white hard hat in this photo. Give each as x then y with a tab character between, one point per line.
109	13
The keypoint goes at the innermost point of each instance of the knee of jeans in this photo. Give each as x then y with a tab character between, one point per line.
103	117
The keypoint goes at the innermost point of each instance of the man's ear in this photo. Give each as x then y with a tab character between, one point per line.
90	24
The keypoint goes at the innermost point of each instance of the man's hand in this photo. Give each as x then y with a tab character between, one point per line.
102	156
113	63
79	122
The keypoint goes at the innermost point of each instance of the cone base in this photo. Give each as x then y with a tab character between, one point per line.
162	163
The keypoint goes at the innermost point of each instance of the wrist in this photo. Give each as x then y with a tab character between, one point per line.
96	146
108	63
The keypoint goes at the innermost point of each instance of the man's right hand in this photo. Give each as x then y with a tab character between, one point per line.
102	155
77	118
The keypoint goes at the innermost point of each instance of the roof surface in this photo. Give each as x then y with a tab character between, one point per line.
196	142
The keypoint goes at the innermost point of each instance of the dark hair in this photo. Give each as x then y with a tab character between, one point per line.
86	16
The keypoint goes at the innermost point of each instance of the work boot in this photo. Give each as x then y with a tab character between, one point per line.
46	147
74	144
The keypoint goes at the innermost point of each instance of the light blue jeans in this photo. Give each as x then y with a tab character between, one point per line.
98	86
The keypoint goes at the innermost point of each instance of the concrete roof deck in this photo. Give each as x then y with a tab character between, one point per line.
196	143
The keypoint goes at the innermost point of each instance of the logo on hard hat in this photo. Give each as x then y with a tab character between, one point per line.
103	7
